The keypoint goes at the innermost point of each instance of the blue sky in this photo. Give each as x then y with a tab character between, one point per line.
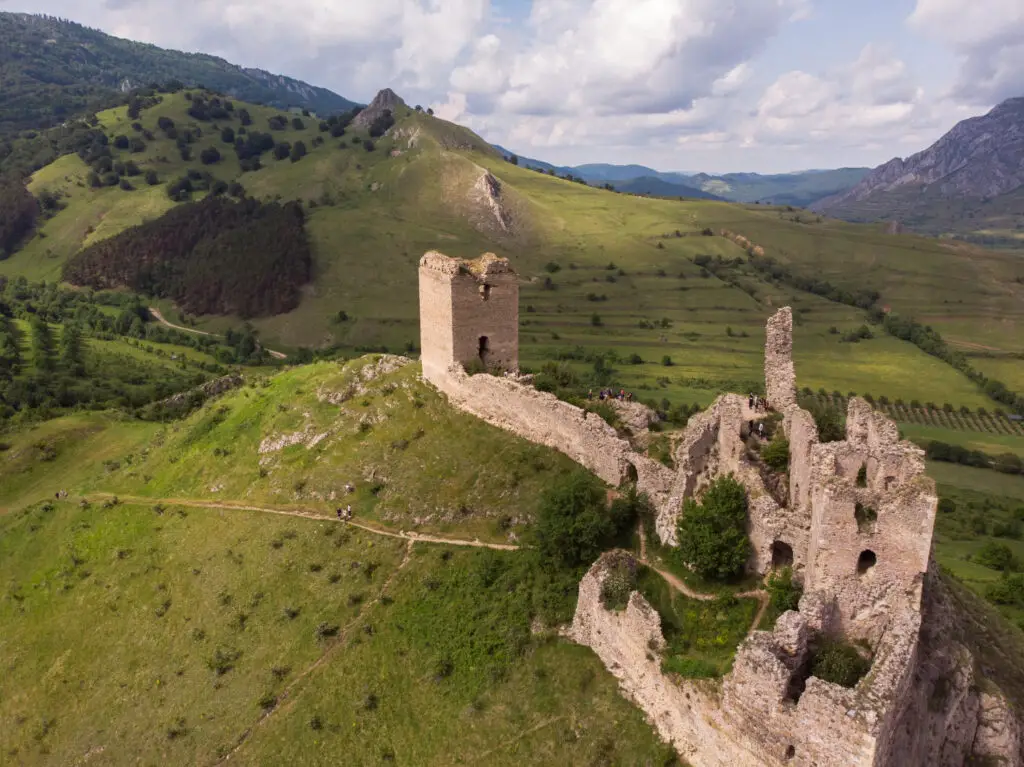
711	85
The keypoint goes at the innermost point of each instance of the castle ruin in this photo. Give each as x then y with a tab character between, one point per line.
854	521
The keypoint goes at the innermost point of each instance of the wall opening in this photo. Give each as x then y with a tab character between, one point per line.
790	752
782	554
866	561
485	292
483	349
631	475
866	517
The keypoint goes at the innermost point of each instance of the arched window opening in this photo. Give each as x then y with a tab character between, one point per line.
782	554
485	292
866	561
484	349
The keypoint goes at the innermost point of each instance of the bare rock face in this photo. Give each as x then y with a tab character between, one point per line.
490	211
387	99
998	736
979	157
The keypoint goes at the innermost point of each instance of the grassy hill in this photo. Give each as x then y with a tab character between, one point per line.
53	69
198	594
605	274
253	622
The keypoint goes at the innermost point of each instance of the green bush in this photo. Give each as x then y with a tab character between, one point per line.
784	594
997	556
776	454
830	422
712	534
839	663
619	582
575	523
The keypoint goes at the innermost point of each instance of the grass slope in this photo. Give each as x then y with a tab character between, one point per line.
376	212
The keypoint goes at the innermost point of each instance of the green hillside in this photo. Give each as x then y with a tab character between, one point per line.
251	618
53	69
607	275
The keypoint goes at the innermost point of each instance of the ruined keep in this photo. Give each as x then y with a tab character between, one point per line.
469	310
853	518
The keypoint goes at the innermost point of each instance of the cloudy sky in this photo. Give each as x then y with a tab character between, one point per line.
691	85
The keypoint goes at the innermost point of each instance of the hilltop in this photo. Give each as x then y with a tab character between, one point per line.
969	181
53	69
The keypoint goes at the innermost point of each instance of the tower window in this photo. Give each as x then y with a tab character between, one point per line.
485	292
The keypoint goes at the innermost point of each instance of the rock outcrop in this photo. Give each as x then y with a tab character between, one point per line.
386	100
982	157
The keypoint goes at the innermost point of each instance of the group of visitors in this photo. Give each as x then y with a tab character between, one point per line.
757	403
622	395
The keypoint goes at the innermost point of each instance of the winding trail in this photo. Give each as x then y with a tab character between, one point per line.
412	537
679	585
167	323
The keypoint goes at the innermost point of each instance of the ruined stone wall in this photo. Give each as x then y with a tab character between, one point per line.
870	545
748	720
779	373
543	418
469	310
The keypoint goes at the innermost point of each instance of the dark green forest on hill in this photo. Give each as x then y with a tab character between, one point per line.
52	69
217	256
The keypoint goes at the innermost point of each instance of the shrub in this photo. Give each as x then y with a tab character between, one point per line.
666	361
997	556
223	660
712	533
947	505
325	630
776	454
830	422
839	663
784	594
862	476
574	523
619	583
369	146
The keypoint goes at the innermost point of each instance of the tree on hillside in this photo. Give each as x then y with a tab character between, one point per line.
575	523
282	150
227	135
297	124
72	357
713	533
244	117
298	151
121	142
42	345
209	156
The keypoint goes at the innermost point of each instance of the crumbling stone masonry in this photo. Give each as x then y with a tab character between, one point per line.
855	523
469	310
779	374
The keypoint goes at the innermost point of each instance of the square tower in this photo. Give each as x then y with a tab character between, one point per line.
469	310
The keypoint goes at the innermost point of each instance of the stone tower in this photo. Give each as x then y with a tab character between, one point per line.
469	310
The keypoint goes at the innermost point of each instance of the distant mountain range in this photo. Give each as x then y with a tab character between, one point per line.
51	69
971	179
798	189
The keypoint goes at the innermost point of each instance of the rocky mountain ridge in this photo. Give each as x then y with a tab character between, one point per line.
981	157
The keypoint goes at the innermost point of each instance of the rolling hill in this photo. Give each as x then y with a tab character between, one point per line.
969	182
53	69
656	187
798	189
605	275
